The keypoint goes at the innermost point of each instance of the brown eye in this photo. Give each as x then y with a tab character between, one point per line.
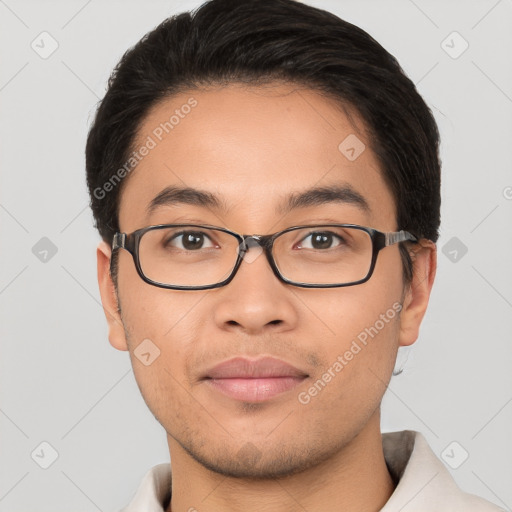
190	241
320	240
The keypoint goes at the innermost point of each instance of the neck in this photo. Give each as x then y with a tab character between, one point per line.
355	478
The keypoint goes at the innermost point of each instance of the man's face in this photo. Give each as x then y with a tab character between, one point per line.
252	147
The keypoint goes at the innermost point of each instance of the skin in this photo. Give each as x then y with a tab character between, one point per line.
252	146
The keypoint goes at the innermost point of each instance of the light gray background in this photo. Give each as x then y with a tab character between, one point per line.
60	380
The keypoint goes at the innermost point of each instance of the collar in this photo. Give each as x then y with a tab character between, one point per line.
423	482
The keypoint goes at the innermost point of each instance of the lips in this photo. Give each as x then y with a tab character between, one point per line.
243	368
253	380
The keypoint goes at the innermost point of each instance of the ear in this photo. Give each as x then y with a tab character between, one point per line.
424	258
116	334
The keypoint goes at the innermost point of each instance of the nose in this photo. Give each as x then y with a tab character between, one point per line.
255	300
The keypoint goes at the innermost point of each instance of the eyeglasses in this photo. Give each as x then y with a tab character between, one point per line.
200	257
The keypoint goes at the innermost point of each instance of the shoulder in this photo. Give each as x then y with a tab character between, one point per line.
423	482
154	491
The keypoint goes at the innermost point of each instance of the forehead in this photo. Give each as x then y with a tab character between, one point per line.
251	146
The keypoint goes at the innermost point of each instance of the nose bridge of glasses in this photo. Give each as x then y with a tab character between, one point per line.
259	242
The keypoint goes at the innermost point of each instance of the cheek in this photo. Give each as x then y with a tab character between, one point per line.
160	323
345	314
364	323
366	335
160	329
359	361
152	312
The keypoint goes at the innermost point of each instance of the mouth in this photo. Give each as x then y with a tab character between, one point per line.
253	380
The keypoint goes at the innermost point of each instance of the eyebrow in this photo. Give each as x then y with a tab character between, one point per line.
344	193
317	196
174	195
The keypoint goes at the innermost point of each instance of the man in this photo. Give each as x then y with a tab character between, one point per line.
266	182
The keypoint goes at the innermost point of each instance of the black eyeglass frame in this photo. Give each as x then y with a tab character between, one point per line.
131	243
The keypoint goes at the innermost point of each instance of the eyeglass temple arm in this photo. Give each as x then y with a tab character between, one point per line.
118	242
399	236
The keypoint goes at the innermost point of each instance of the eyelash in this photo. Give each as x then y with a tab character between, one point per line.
179	234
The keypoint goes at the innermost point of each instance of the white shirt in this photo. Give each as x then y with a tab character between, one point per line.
424	483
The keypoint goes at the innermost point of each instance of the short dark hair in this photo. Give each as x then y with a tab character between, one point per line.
257	42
